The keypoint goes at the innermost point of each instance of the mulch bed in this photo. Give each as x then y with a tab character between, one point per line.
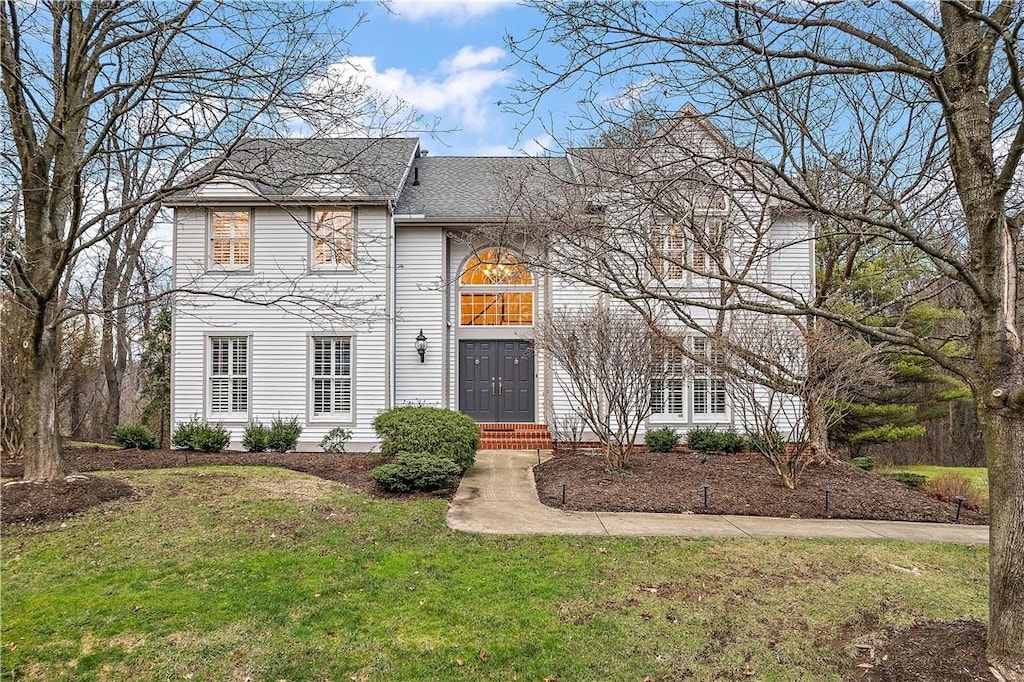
31	502
740	484
951	652
27	502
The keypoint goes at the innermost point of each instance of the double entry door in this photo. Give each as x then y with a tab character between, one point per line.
496	382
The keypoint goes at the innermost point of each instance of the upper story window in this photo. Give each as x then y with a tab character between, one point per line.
495	290
230	239
691	241
333	237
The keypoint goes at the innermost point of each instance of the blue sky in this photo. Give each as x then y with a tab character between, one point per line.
449	60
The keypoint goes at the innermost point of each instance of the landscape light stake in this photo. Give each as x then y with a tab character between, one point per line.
705	487
564	484
959	505
538	455
827	491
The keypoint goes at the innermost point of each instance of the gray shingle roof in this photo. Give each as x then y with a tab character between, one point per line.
358	168
473	187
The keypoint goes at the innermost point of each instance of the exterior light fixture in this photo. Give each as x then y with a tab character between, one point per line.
959	506
705	487
421	346
564	485
827	491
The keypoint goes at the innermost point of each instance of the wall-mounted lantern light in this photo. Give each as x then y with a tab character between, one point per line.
421	346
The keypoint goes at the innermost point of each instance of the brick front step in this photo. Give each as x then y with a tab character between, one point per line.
514	436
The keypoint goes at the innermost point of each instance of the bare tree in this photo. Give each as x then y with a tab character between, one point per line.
899	120
606	362
162	95
792	383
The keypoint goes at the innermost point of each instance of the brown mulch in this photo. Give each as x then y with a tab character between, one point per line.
352	469
740	484
31	502
926	652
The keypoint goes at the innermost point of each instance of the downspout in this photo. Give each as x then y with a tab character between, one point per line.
445	317
390	332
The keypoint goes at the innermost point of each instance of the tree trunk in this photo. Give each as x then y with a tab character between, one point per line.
1004	443
44	455
817	428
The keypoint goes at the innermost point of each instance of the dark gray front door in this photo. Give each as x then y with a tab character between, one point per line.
496	380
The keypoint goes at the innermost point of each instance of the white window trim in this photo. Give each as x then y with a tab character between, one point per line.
334	418
226	417
222	268
330	268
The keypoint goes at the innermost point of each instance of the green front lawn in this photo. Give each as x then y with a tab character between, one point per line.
234	573
977	475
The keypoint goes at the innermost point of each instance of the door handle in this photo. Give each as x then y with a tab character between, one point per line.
499	385
492	386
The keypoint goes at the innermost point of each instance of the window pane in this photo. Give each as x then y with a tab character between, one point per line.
676	389
700	396
240	394
333	233
495	267
219	395
657	396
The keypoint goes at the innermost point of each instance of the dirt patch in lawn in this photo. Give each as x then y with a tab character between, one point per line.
952	652
351	469
29	502
740	484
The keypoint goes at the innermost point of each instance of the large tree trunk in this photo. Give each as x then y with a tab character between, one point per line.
44	456
817	428
1004	443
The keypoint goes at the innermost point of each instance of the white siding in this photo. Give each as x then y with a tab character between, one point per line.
304	304
419	297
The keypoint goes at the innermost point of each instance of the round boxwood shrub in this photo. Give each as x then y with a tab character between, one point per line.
661	440
441	432
416	471
710	440
134	436
865	463
255	437
283	434
201	436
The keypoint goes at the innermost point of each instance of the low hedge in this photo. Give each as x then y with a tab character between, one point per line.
433	430
416	471
201	436
661	440
710	440
134	436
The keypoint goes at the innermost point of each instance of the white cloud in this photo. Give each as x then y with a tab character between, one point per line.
456	92
458	12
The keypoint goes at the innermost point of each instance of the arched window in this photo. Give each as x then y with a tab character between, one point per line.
495	289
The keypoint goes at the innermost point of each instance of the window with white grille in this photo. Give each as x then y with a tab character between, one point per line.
230	239
332	376
229	376
709	392
668	391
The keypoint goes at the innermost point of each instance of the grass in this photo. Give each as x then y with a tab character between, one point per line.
266	574
977	475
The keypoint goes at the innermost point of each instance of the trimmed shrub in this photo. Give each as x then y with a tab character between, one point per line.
913	480
201	436
134	436
283	434
441	432
661	440
710	440
255	437
950	484
865	463
335	439
416	471
182	436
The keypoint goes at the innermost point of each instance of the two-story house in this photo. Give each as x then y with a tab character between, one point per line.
333	279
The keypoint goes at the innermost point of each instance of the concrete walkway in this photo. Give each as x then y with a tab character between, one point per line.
498	495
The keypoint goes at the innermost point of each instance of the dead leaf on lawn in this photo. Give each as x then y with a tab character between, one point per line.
482	655
459	662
